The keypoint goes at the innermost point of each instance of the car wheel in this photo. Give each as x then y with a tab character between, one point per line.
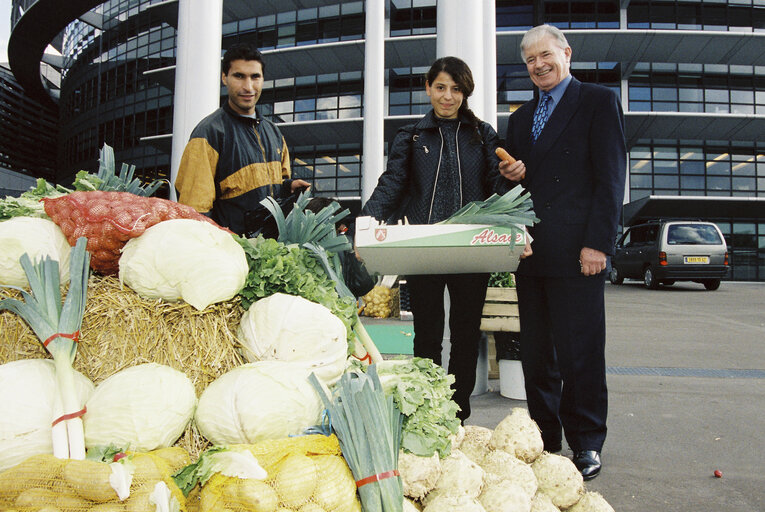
712	284
649	279
615	277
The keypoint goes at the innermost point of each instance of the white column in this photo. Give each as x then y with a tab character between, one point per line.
460	32
489	81
197	71
374	97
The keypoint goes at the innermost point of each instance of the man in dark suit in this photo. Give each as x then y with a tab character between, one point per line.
571	156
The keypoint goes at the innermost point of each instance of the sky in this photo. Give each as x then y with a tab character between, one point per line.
5	28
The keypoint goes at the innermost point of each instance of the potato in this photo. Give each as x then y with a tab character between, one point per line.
36	497
175	456
90	480
39	498
311	507
139	500
295	480
256	495
108	507
336	486
146	470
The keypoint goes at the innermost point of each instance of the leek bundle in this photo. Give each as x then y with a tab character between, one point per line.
368	426
57	326
510	209
317	233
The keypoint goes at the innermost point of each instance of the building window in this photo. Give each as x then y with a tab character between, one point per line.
738	16
333	171
697	88
412	17
691	170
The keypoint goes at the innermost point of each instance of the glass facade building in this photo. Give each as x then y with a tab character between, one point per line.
694	99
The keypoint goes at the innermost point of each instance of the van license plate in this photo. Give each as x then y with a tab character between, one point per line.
703	260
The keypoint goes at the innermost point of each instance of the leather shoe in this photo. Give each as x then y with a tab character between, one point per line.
588	463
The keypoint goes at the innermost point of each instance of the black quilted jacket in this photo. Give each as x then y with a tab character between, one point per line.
406	188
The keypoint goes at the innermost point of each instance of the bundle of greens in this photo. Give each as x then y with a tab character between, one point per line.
512	208
28	204
276	267
57	328
107	179
422	391
502	280
368	426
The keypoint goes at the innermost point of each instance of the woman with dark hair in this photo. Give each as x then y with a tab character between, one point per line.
435	167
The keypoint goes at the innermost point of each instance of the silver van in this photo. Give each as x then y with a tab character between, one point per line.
663	252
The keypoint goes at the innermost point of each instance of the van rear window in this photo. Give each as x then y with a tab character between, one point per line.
693	234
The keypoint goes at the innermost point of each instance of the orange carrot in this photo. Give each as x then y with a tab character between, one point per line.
504	155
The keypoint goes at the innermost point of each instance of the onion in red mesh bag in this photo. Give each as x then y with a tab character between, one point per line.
110	219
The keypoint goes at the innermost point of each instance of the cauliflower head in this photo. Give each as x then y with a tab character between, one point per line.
475	443
460	503
500	465
543	503
460	476
418	474
518	435
505	496
591	502
559	479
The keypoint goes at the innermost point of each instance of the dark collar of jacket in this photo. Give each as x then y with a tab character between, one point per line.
240	118
430	122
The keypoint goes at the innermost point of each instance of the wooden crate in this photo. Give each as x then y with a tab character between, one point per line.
500	310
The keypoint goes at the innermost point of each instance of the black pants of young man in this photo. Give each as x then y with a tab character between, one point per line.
467	293
563	337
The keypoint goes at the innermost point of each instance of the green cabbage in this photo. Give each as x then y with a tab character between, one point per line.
289	328
140	408
184	259
38	238
258	401
27	394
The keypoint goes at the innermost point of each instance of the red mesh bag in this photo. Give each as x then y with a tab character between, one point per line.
110	219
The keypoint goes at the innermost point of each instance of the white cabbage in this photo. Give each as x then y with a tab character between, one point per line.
27	393
184	259
140	408
36	237
258	401
289	328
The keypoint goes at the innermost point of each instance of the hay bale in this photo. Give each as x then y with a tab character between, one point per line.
121	329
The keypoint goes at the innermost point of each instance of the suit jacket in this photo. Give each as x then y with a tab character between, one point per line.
575	173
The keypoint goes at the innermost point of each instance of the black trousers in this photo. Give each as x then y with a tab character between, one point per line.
563	336
467	293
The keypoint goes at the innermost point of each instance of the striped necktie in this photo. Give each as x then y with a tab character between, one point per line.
540	116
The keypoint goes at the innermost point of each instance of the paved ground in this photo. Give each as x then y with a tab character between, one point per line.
687	396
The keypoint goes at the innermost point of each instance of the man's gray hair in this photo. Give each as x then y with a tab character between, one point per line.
538	33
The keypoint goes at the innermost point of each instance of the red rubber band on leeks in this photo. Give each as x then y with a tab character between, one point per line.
376	478
69	416
75	336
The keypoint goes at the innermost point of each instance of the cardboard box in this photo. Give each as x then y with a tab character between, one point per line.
438	248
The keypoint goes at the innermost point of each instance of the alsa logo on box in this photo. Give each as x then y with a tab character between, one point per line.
381	234
489	237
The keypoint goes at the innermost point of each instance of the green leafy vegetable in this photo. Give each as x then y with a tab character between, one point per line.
28	204
235	462
107	179
510	209
422	391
